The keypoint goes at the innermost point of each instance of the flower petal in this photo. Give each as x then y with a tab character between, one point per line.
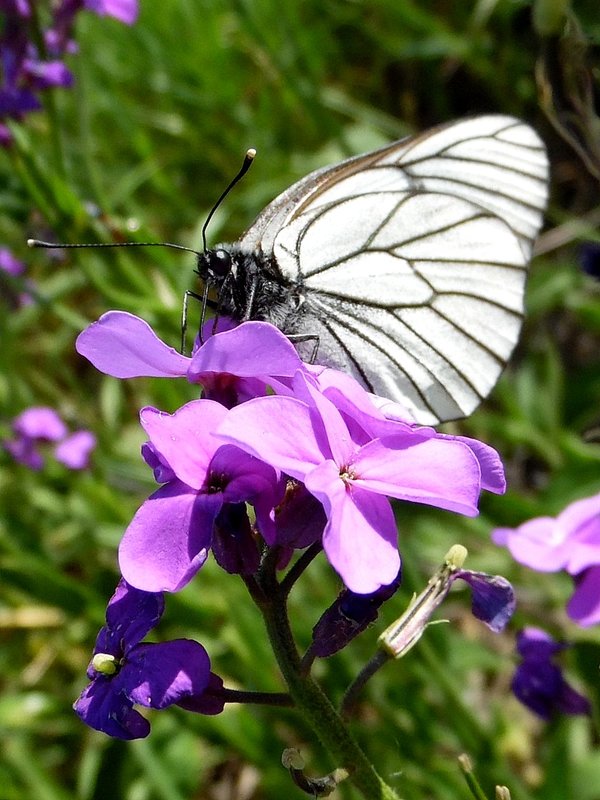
360	536
167	541
100	707
250	350
279	431
584	605
185	439
158	675
493	598
124	346
422	470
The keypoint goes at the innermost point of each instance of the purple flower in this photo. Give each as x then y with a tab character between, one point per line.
125	671
232	365
570	542
42	424
170	535
538	683
74	451
10	264
351	462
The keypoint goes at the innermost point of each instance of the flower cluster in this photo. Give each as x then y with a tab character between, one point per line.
320	430
40	424
570	542
275	456
32	59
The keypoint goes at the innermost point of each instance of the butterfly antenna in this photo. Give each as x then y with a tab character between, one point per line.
60	245
248	159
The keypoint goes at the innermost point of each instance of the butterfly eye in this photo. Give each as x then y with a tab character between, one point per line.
219	262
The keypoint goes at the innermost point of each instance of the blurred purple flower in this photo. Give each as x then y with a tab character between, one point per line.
27	68
74	451
570	542
352	462
126	671
169	537
538	683
40	422
43	424
10	264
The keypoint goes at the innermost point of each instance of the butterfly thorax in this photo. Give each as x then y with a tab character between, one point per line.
249	287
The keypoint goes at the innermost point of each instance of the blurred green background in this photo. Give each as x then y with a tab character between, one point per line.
141	146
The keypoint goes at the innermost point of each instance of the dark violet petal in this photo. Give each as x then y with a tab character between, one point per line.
168	539
570	701
14	102
535	644
584	605
40	422
493	598
210	701
538	685
158	675
162	471
24	451
100	707
349	615
124	346
250	350
300	518
234	545
74	451
130	614
241	476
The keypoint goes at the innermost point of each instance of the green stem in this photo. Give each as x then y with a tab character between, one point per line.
313	703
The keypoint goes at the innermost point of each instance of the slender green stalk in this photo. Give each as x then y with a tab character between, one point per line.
313	703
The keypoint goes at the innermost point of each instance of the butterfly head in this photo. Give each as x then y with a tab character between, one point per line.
215	265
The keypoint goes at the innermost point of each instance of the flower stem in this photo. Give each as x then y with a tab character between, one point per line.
380	658
313	703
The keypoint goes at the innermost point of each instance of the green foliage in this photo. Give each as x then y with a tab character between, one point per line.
155	126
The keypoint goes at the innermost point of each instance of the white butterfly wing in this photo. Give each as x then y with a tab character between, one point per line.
412	260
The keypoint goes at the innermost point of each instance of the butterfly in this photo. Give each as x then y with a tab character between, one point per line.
406	265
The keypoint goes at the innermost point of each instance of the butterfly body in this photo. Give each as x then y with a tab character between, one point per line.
407	264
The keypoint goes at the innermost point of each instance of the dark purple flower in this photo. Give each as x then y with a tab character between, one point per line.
570	542
352	463
45	74
493	602
539	683
169	537
349	615
125	671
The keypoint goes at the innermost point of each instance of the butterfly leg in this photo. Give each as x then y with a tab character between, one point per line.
201	298
297	338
